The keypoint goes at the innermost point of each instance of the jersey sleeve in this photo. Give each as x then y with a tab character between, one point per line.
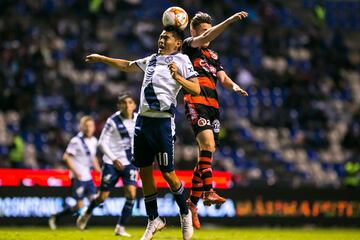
142	63
187	69
72	147
218	65
105	139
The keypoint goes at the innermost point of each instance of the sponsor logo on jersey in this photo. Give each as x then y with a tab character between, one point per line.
216	125
213	54
207	67
169	59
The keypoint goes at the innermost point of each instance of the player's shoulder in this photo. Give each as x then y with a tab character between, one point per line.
74	140
113	116
182	56
187	41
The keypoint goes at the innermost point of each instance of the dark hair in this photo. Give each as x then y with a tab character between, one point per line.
200	18
124	96
177	32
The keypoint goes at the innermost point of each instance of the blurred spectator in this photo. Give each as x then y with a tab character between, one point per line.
16	152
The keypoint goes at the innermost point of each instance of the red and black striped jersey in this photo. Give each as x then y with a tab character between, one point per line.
206	62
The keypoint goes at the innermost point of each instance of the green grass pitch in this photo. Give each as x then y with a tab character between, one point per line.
68	233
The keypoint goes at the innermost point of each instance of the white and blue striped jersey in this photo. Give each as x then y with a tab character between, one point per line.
83	151
116	139
159	89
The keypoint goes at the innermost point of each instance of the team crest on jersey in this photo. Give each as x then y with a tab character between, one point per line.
213	54
169	59
202	122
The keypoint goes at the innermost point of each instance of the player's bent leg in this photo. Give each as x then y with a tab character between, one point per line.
177	189
130	194
79	204
55	217
155	223
206	143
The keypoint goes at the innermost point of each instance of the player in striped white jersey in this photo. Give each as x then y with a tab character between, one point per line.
80	157
116	144
165	73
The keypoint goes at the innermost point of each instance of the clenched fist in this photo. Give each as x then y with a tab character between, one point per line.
238	16
174	70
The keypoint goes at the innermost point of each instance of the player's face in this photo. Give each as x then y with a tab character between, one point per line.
200	30
168	43
88	128
127	105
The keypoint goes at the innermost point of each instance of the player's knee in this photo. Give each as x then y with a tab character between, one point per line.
207	146
130	195
79	205
102	197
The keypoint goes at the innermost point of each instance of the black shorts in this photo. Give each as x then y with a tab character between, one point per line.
110	176
154	140
82	189
202	118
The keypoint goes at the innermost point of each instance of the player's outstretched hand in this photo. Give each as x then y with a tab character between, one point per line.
241	91
117	164
173	70
93	58
238	16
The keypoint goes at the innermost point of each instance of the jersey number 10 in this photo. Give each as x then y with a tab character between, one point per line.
163	159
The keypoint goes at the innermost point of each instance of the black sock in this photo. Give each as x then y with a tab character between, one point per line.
67	211
126	212
93	204
194	200
151	206
181	200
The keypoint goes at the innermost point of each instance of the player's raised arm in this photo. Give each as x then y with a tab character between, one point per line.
121	64
191	85
213	32
226	81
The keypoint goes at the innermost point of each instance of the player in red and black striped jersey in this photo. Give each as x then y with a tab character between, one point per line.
203	110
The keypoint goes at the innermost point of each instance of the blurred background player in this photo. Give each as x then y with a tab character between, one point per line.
203	110
80	157
115	143
155	126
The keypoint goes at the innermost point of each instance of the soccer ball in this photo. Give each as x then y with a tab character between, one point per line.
175	16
